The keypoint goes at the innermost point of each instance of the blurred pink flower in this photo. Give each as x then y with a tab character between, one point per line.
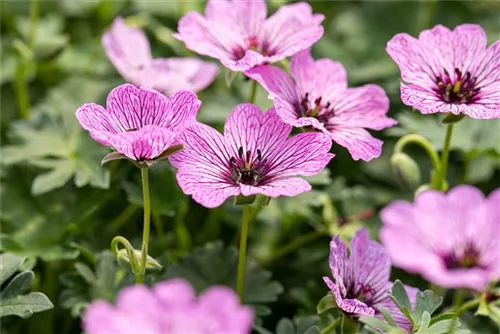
140	123
318	97
128	49
254	156
169	308
448	71
362	279
239	35
450	239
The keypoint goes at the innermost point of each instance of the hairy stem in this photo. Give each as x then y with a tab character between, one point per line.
253	92
147	223
240	278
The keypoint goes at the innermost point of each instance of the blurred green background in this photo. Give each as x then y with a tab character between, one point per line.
61	209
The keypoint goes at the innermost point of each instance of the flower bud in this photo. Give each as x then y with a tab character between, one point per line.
150	262
406	170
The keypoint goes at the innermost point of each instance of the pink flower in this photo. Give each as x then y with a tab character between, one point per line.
169	308
449	71
450	239
254	156
362	279
139	123
318	97
239	35
128	49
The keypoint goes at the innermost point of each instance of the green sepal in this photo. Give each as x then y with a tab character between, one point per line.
243	200
452	118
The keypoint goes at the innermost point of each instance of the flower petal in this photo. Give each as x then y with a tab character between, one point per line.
289	186
248	127
128	49
291	29
245	16
94	118
338	263
144	144
174	293
274	80
359	143
304	154
351	306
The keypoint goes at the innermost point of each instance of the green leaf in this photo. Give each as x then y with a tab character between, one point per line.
12	300
400	296
285	326
424	323
212	264
299	325
374	323
387	316
313	330
9	263
85	284
426	301
53	139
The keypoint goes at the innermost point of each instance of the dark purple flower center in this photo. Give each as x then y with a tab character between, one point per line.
319	110
460	90
255	44
468	259
362	293
247	169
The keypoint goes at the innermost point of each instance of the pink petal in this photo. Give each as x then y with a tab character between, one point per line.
289	114
128	49
174	293
323	77
291	29
364	107
144	144
359	143
338	263
289	186
352	306
304	154
94	118
274	80
248	127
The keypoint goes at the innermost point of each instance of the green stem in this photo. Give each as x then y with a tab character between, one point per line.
147	223
444	158
468	305
331	327
245	220
253	92
34	13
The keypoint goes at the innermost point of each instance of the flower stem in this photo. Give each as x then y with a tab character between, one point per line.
245	220
253	92
468	305
444	159
147	221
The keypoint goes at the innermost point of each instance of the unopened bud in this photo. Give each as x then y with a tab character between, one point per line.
406	170
150	262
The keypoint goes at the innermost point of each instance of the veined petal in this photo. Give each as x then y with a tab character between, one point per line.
246	16
359	143
144	144
351	306
94	118
339	264
274	80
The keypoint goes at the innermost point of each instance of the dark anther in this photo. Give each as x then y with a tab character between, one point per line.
259	155
317	101
446	72
131	129
240	152
248	156
467	76
232	161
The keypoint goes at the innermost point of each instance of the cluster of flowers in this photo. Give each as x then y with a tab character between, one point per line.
448	238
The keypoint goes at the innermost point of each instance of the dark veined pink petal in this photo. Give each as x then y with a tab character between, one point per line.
244	16
291	29
338	262
94	118
359	143
144	144
352	306
364	107
248	127
287	186
275	81
370	266
131	108
304	154
128	50
323	77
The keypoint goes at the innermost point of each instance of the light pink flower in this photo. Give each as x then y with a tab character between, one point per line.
169	308
318	97
129	51
450	239
140	123
362	279
239	35
448	71
254	156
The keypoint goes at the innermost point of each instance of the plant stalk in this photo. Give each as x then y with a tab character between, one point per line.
147	222
240	278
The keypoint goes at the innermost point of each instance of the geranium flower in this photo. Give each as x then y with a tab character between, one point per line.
448	71
361	280
169	308
139	123
254	156
450	239
128	50
318	98
239	35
